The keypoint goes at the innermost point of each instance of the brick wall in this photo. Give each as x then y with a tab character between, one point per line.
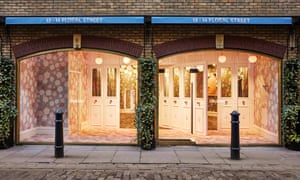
276	34
135	33
21	34
150	7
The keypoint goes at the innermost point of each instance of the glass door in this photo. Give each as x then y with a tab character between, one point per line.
164	101
96	100
111	98
198	82
212	97
227	100
234	95
186	116
104	96
244	102
175	104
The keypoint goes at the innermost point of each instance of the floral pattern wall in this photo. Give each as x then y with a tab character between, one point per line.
52	87
43	89
28	94
266	84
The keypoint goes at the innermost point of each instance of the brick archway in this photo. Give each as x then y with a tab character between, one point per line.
230	42
61	42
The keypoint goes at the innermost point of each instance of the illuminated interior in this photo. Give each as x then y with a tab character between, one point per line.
198	91
97	91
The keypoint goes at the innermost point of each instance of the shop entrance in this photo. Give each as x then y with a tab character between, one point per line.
104	103
199	90
97	91
112	94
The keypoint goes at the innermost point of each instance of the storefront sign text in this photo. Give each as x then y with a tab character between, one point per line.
74	20
222	20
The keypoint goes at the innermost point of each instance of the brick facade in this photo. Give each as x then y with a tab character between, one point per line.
148	40
150	7
66	42
230	42
15	35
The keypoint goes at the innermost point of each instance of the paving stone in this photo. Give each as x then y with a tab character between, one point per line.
191	157
99	157
126	157
28	162
159	157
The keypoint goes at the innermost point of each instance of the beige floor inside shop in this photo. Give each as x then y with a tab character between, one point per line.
127	135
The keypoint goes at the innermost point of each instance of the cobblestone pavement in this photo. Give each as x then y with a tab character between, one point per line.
148	172
124	162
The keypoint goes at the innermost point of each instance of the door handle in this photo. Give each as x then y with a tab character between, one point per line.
185	102
165	101
198	103
175	101
95	101
243	102
110	101
226	102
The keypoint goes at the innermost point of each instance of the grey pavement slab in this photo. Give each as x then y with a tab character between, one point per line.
127	156
188	156
21	155
100	157
81	148
5	153
259	158
46	156
73	156
212	156
159	156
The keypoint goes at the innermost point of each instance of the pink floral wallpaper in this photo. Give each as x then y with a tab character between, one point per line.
43	89
28	94
44	82
266	84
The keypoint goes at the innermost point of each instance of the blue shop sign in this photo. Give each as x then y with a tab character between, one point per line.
140	20
222	20
75	20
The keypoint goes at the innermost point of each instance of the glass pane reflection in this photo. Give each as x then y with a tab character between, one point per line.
187	82
199	82
111	81
96	82
226	76
166	83
243	82
176	82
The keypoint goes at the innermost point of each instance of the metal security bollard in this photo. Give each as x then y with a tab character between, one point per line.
59	134
235	135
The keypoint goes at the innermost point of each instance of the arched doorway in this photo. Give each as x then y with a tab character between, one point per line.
198	90
97	91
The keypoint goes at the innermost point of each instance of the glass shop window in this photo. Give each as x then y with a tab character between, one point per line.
111	81
176	82
96	80
226	77
243	82
187	82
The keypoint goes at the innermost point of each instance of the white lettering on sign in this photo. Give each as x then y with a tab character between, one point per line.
221	20
74	20
48	20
